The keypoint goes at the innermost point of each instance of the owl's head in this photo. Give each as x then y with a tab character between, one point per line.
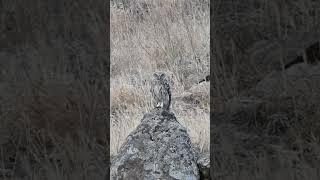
160	76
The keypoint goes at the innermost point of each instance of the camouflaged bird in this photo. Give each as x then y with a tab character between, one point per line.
160	90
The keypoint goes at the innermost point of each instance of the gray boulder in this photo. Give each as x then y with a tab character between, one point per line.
203	163
159	148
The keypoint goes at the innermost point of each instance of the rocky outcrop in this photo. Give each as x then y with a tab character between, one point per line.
203	163
159	148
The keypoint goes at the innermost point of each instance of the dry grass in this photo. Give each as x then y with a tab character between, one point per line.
53	98
171	36
250	40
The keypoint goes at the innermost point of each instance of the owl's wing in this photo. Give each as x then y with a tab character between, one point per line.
166	85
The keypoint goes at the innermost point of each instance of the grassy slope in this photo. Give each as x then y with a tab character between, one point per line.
53	89
173	37
245	151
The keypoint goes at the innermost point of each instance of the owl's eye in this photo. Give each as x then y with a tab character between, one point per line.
155	75
162	76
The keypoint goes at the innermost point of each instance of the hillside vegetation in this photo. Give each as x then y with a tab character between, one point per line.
149	36
266	116
53	89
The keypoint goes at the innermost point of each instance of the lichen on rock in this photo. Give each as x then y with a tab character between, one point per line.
159	148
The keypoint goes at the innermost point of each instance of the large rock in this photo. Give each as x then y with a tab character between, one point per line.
159	148
203	163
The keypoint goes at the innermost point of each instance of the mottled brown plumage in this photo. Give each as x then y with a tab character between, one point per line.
160	90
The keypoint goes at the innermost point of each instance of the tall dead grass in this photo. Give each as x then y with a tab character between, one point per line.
148	36
263	29
53	96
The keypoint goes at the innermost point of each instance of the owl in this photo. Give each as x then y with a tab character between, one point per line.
160	90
